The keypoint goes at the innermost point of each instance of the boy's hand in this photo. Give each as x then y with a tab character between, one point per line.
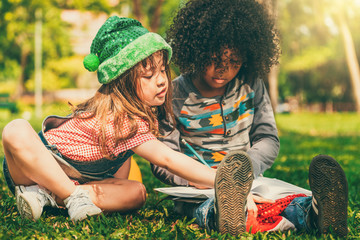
251	204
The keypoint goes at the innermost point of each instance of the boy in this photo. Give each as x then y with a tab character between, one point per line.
223	49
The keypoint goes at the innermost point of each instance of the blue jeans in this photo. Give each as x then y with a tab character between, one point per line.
297	212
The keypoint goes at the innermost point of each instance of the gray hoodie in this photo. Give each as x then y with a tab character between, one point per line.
241	119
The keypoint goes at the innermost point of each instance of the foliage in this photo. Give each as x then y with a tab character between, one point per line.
147	10
302	137
17	26
60	74
313	64
93	5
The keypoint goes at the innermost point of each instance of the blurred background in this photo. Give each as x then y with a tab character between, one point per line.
43	43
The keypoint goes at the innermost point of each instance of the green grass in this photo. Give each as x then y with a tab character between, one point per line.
302	137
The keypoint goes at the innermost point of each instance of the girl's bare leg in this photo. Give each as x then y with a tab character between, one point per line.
117	195
30	162
124	170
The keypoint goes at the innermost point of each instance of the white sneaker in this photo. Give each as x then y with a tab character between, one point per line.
80	206
30	201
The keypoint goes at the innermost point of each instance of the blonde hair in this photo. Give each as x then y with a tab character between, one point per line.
119	99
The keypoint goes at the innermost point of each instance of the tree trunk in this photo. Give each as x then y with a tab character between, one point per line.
155	20
273	86
271	6
21	80
351	59
137	10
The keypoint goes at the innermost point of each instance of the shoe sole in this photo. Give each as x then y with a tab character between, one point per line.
330	190
232	185
24	203
93	211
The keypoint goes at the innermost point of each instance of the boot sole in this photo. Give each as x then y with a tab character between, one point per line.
330	190
232	185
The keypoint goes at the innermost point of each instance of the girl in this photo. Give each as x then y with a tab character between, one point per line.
102	133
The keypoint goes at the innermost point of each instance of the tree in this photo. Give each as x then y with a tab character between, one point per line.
154	14
272	7
18	28
313	60
17	25
351	58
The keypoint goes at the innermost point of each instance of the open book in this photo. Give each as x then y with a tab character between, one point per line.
270	188
187	192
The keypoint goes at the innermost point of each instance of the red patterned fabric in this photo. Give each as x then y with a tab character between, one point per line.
269	214
77	139
75	182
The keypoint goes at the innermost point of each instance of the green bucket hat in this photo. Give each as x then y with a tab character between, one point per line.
119	45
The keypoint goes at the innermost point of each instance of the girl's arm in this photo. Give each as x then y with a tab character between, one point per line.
172	140
159	154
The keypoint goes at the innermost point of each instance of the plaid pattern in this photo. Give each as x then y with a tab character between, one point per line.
77	139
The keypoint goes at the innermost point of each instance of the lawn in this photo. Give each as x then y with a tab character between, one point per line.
302	137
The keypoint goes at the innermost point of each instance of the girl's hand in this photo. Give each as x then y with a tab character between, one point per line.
251	204
191	184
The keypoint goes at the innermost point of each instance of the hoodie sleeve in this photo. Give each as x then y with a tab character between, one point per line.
264	139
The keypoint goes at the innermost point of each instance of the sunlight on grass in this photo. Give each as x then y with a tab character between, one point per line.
302	137
319	124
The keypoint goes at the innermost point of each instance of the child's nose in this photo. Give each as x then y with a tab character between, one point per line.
162	78
222	67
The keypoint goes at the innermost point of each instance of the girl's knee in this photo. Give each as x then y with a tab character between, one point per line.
16	131
143	191
136	194
139	194
118	197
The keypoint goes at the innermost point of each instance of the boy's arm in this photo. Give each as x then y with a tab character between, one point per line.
263	134
172	140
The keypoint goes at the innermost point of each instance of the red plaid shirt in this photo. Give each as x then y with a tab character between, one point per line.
77	139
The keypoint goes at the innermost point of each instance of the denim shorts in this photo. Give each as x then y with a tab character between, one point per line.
9	181
90	170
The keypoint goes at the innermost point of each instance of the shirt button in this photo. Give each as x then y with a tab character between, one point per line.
228	132
227	118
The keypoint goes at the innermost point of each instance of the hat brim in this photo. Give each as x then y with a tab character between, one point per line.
129	56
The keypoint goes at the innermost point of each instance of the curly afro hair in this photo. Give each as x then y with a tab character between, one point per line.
202	29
